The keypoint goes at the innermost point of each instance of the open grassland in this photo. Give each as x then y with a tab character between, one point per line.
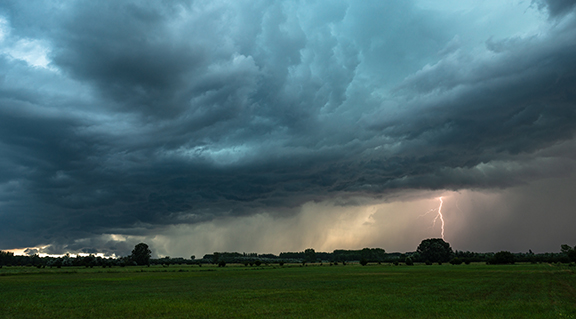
373	291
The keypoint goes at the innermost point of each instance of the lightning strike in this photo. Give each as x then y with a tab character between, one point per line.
440	216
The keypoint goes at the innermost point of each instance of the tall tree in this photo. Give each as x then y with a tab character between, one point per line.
569	251
310	255
141	254
435	250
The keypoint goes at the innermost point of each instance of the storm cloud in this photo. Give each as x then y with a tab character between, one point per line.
128	118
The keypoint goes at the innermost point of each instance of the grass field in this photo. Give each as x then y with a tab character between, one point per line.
373	291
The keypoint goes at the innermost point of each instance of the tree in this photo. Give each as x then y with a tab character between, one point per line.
310	255
141	254
6	258
569	251
501	258
435	250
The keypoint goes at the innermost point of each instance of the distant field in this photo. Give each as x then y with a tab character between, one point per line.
351	291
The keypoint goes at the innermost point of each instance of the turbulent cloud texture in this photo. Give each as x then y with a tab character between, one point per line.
124	119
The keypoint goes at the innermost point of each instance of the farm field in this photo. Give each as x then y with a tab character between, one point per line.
291	291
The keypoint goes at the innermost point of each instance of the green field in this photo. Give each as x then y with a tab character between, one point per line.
354	291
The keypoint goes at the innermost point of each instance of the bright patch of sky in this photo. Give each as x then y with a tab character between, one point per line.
32	51
477	21
3	28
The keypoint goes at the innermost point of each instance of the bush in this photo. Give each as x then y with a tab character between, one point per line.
222	263
409	262
456	261
428	262
565	259
258	263
363	262
501	258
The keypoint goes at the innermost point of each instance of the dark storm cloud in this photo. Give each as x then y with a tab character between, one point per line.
556	7
163	113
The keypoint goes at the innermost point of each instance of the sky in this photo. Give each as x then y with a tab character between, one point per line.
267	126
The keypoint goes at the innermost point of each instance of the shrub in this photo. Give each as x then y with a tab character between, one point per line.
428	262
222	263
258	263
456	261
501	258
363	262
409	262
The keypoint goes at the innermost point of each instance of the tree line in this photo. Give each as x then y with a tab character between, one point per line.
433	250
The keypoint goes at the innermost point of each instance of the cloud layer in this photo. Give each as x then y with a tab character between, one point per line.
126	117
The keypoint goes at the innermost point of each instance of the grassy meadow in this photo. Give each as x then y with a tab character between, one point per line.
291	291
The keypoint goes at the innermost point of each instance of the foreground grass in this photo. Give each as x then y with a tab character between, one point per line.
383	291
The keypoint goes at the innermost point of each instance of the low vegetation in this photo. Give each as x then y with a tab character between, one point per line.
477	290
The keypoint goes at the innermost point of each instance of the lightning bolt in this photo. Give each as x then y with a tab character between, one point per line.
438	215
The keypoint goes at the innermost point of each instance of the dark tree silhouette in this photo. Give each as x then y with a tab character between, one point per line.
310	255
435	250
141	254
569	251
501	258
